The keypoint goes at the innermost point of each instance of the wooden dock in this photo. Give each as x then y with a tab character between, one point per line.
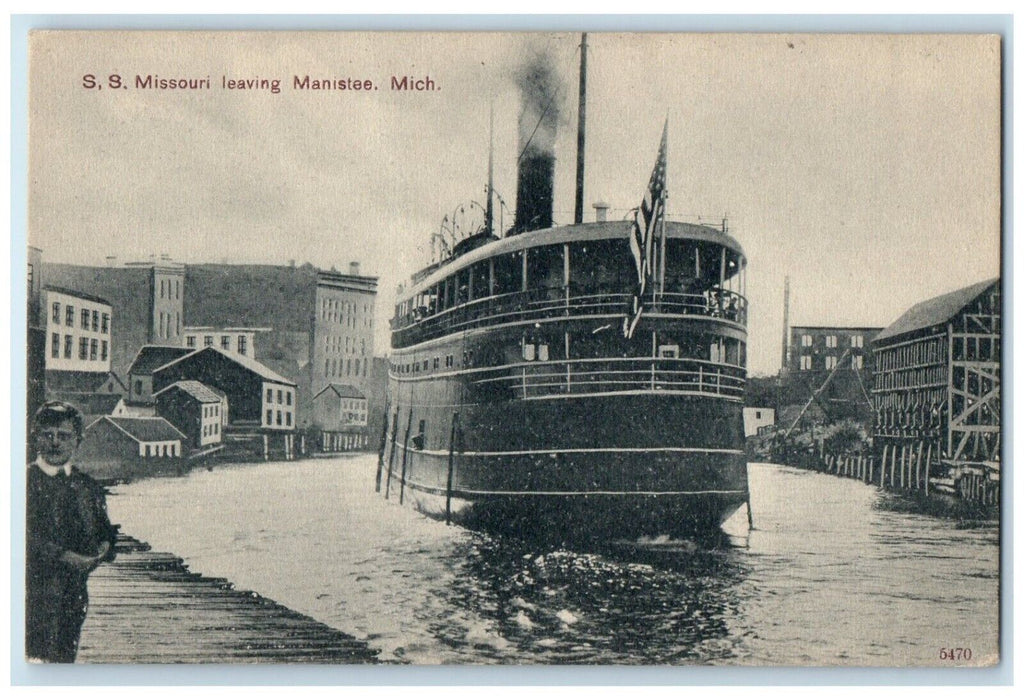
147	607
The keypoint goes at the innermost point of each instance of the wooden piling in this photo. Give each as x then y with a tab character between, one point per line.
928	468
881	476
451	470
917	468
405	460
391	456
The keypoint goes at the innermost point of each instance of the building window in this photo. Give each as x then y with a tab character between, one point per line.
288	419
68	344
270	396
138	387
85	319
856	341
83	348
190	341
55	345
103	350
279	418
270	417
805	340
242	344
280	396
163	284
830	341
805	362
56	312
348	368
207	341
225	342
857	361
105	327
357	366
95	320
69	316
288	398
93	349
830	362
177	289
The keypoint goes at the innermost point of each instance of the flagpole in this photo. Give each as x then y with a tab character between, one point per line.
664	213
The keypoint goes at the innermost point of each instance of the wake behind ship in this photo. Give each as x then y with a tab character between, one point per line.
572	382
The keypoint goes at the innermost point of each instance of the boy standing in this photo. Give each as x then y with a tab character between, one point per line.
68	535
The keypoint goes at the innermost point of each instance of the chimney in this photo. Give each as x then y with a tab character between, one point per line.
535	193
111	261
539	86
601	211
353	268
291	262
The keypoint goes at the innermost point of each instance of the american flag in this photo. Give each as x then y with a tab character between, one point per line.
641	237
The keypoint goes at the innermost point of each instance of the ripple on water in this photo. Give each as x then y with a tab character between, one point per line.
827	578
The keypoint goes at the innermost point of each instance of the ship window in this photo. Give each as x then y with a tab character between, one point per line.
529	352
481	280
508	273
681	267
732	352
544	273
601	267
461	287
669	351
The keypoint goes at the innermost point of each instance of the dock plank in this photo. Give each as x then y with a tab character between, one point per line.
147	608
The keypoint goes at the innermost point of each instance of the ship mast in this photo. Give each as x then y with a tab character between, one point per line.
489	222
581	130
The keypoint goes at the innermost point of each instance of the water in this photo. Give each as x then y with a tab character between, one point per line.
829	576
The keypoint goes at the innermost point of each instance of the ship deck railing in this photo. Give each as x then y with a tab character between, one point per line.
559	378
562	302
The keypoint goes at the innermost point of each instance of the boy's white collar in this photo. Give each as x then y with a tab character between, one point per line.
51	470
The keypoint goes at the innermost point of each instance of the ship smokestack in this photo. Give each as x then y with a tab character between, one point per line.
353	268
539	87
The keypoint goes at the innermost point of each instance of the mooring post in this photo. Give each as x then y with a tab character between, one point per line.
927	468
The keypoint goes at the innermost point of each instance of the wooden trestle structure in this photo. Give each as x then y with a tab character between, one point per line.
936	395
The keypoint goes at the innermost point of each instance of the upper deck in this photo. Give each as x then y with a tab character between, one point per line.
565	271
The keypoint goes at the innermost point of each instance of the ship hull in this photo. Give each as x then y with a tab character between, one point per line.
582	468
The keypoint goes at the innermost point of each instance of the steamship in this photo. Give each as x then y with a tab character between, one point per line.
538	386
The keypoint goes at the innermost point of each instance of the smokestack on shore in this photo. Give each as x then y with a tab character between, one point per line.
539	86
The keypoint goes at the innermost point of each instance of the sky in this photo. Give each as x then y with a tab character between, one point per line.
866	168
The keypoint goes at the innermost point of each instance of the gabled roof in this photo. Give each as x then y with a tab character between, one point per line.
76	382
93	403
197	390
343	391
145	429
250	364
150	357
76	293
935	311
